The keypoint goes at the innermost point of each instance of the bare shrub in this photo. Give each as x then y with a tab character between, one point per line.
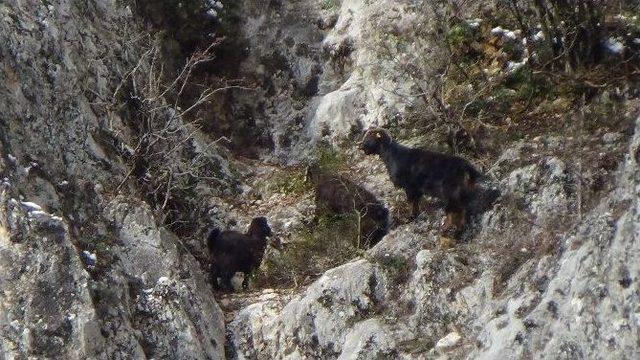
170	159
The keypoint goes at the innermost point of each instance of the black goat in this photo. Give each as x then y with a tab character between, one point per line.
233	252
449	178
339	195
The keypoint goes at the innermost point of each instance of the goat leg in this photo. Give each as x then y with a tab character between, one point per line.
226	281
245	281
414	199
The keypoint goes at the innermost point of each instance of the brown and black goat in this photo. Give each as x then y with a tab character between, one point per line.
341	196
232	252
449	178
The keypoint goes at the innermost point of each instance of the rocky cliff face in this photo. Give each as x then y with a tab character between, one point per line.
575	297
547	272
87	269
328	77
100	258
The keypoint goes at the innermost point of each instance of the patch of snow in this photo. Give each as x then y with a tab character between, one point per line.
510	35
636	41
163	280
90	257
475	23
538	36
32	165
31	206
448	342
614	46
13	159
512	66
497	31
38	214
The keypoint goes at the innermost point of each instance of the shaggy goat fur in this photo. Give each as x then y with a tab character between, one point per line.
421	172
233	252
339	195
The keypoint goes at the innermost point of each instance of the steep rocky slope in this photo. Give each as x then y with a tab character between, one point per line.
548	272
107	191
574	297
87	269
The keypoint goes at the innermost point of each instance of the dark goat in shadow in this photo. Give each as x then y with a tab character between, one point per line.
231	251
449	178
341	196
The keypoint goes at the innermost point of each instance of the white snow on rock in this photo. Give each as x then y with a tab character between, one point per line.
497	31
614	46
513	66
512	35
448	342
30	206
474	23
90	257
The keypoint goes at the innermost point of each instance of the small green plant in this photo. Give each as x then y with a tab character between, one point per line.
288	182
329	160
459	34
330	4
398	266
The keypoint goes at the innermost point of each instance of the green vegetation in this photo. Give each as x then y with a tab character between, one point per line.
398	267
288	182
329	160
330	242
330	4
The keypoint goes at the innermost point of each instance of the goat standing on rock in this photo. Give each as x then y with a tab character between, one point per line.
233	252
450	178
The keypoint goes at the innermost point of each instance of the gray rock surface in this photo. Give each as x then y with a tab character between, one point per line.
410	298
89	267
86	268
322	70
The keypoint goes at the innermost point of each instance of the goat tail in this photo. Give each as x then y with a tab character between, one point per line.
212	239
